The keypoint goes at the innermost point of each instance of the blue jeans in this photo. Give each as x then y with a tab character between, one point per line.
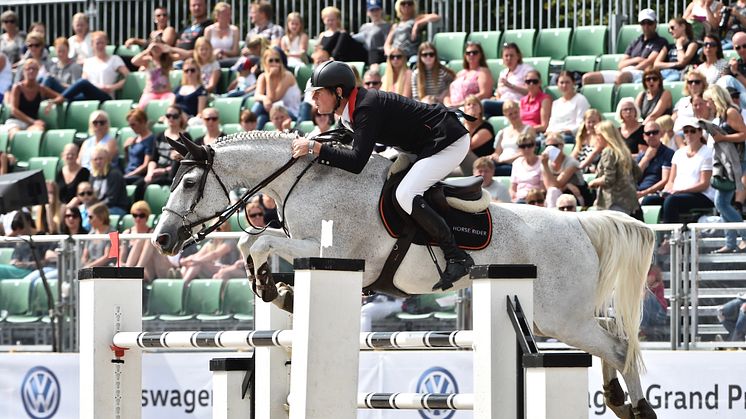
653	314
683	202
730	81
304	113
671	74
492	107
729	214
84	90
53	84
734	319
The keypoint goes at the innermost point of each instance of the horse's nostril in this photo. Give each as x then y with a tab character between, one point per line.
163	239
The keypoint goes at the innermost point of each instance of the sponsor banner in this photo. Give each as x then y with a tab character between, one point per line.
679	385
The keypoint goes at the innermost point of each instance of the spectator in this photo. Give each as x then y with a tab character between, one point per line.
405	35
190	34
668	137
38	27
526	172
163	161
138	150
157	62
560	174
485	167
735	75
398	77
276	84
654	101
336	40
269	206
536	106
247	120
639	56
713	62
24	113
223	35
255	48
48	215
511	84
96	252
628	114
373	34
211	119
209	66
70	175
655	306
567	203
255	215
567	111
695	85
674	58
655	164
430	78
378	307
191	96
261	17
616	174
245	82
22	260
295	41
474	79
163	33
320	55
72	222
736	22
86	199
6	76
372	78
98	127
535	197
11	40
108	182
481	132
322	123
211	257
36	49
705	16
732	316
688	184
81	43
586	150
280	118
141	253
100	73
506	140
64	72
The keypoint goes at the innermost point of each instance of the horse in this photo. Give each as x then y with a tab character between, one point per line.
588	264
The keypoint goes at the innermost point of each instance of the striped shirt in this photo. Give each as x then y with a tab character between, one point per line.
434	86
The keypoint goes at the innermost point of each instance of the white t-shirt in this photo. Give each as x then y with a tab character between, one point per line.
567	115
517	77
509	143
527	177
83	50
688	169
102	73
207	70
684	108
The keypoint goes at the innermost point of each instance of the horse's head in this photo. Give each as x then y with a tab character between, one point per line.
197	195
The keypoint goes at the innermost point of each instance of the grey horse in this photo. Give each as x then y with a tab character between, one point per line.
589	264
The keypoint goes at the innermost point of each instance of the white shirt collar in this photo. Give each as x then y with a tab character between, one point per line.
346	120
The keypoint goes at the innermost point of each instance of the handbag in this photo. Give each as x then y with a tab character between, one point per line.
722	183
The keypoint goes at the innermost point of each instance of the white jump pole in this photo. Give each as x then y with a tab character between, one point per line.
110	301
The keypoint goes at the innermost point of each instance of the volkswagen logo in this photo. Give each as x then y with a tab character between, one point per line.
437	380
40	392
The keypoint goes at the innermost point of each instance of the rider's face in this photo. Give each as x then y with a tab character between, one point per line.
324	100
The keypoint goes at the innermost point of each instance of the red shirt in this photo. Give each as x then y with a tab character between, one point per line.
531	108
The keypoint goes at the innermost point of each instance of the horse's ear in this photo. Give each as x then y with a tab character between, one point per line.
178	145
198	153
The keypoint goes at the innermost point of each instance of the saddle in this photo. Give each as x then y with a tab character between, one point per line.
461	202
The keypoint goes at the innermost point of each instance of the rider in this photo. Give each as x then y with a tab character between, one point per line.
432	132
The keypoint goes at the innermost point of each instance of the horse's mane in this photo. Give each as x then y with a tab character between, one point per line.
271	137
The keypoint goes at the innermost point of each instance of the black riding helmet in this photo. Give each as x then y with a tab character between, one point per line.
333	74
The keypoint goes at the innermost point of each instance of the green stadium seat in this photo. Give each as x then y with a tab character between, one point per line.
306	127
456	65
542	65
589	40
133	86
52	117
117	111
731	53
490	41
156	196
165	299
236	225
269	126
600	96
495	66
110	49
226	77
203	298
78	113
122	136
48	165
25	145
6	254
4	113
609	61
450	45
55	141
174	76
196	131
359	66
580	63
627	34
4	141
651	214
553	43
611	116
131	192
239	299
114	221
15	300
676	88
229	109
524	38
628	90
303	73
156	109
663	32
498	122
130	51
231	128
553	91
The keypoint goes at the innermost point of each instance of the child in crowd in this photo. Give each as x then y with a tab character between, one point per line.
245	83
157	62
295	41
209	66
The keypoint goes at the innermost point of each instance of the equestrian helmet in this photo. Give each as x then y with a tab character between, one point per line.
333	74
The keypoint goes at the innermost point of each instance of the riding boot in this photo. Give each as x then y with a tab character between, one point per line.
458	261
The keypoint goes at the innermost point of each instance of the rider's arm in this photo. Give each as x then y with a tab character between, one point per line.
353	160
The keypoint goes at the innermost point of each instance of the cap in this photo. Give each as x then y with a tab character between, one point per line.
732	92
374	4
686	122
647	14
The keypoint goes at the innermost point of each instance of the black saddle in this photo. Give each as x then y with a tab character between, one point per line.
467	189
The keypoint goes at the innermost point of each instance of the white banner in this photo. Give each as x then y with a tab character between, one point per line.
679	385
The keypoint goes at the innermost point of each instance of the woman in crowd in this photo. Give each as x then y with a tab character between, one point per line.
208	65
96	252
560	174
536	106
405	35
11	40
511	82
70	175
567	111
141	253
586	150
398	77
212	256
704	15
223	35
163	32
481	132
616	173
526	172
322	122
100	74
164	159
506	140
108	182
64	72
48	216
631	128
654	101
98	127
35	49
712	58
211	119
695	84
72	222
295	41
138	150
157	62
191	96
86	199
25	101
280	118
430	78
475	79
81	43
274	85
247	120
674	58
6	76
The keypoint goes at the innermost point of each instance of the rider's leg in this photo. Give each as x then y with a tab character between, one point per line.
424	174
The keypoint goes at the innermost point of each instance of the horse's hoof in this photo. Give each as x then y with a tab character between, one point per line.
613	393
625	411
286	297
265	285
644	410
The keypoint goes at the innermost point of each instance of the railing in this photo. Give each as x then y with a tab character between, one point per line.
123	19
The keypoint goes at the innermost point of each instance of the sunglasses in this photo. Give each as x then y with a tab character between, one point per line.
85	193
647	23
70	216
671	28
210	118
396	57
99	122
173	116
710	44
532	81
407	3
256	214
651	132
274	61
33	45
738	47
694	82
524	146
140	215
690	130
569	208
535	202
161	15
190	70
647	79
428	54
372	83
472	52
9	21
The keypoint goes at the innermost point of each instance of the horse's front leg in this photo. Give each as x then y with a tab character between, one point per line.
244	245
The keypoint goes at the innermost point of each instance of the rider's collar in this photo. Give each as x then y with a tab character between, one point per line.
349	110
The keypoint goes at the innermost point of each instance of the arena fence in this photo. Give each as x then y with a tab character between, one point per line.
123	19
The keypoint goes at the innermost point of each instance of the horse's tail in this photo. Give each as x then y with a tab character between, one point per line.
625	249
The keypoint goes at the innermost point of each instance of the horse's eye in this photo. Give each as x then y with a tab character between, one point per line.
189	183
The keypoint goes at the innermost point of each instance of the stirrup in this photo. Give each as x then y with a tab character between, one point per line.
447	279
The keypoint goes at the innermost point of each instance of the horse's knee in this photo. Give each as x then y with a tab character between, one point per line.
613	393
644	410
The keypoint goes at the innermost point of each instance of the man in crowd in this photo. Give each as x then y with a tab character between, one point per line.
185	43
261	18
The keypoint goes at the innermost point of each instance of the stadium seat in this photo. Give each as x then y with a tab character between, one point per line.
114	221
611	116
15	298
156	109
165	298
234	221
122	136
357	65
226	77
580	63
269	126
456	65
48	165
600	96
52	117
306	127
203	297
627	34
239	299
553	91
302	74
110	49
25	145
55	141
131	192
731	53
498	122
651	214
553	43
628	90
450	45
117	111
609	61
495	66
158	128
662	30
676	88
490	41
133	86
231	128
4	141
174	76
156	196
542	65
196	131
524	38
130	51
6	254
229	109
589	40
4	113
78	113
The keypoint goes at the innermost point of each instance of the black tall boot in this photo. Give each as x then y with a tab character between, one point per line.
458	261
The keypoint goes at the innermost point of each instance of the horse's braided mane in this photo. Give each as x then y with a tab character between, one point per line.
242	137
